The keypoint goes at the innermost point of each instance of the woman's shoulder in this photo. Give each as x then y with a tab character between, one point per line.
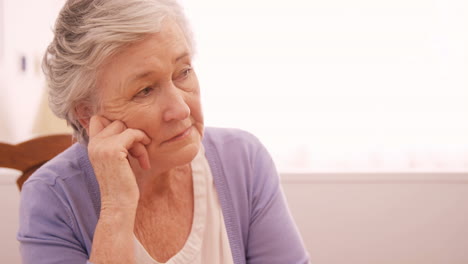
237	152
67	165
57	198
232	146
230	137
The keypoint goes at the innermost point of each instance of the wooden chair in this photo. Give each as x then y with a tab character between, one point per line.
32	154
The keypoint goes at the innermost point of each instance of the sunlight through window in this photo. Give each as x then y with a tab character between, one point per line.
339	85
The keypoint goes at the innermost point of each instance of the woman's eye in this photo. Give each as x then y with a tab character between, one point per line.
185	73
145	92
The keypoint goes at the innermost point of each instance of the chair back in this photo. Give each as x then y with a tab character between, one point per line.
28	156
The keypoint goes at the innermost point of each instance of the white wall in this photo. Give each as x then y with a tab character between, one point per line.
9	202
27	29
381	218
348	218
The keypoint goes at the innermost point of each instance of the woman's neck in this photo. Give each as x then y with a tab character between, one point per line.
170	184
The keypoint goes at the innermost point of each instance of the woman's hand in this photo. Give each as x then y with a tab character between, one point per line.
110	144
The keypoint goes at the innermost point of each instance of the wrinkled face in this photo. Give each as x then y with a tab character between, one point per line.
152	86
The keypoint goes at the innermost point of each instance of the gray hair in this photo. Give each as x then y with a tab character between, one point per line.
86	33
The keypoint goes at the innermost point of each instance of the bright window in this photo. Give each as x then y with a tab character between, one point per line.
339	85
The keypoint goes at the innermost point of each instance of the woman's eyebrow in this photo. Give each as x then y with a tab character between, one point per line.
141	76
146	73
185	54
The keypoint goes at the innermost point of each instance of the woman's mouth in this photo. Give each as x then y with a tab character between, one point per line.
184	134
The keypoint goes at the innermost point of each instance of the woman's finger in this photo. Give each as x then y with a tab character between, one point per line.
96	125
135	140
139	152
132	140
131	136
103	127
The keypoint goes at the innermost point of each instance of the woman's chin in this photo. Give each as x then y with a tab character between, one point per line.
183	155
187	154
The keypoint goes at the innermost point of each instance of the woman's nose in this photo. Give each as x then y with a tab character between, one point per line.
176	107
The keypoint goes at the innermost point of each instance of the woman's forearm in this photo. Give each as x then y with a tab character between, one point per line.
113	237
109	147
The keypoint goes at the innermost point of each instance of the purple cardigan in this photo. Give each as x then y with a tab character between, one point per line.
60	205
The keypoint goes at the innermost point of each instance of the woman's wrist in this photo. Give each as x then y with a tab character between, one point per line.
113	238
118	213
119	203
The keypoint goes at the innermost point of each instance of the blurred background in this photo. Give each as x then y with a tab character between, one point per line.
363	105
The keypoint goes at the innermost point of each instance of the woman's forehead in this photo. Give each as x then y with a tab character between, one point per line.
169	41
155	53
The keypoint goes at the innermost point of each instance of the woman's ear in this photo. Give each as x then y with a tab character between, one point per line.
83	114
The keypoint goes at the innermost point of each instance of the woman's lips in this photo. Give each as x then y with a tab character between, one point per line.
180	136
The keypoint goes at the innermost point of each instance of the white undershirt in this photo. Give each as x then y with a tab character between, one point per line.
208	241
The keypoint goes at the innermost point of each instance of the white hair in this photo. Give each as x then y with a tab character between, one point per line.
86	33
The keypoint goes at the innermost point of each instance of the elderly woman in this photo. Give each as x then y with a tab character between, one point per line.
146	182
